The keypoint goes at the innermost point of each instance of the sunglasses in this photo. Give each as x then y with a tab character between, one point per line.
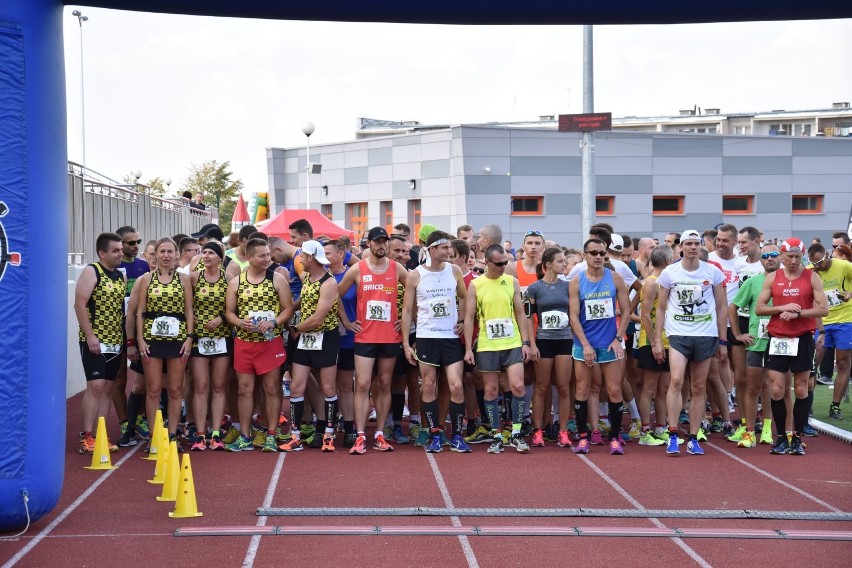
773	254
478	270
596	252
131	243
501	264
533	234
818	262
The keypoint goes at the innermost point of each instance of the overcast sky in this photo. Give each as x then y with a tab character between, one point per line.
164	92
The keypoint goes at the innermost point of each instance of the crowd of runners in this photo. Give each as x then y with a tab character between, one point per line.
452	340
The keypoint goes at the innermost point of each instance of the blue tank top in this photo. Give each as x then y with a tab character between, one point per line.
349	302
597	309
295	279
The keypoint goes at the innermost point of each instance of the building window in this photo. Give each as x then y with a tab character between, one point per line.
668	205
414	214
527	205
807	204
737	204
357	214
604	204
386	213
325	209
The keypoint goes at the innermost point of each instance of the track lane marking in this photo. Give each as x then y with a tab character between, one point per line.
254	544
448	502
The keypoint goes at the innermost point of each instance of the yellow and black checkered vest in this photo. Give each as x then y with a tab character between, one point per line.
310	301
256	298
105	307
164	300
208	301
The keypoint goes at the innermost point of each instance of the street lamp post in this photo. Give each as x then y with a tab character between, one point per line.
80	19
307	130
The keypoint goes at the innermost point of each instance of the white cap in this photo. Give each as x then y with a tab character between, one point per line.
690	235
617	243
314	248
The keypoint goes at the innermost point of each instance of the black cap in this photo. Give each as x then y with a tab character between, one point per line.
377	233
211	231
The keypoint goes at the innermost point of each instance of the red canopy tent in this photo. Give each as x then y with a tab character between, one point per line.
279	226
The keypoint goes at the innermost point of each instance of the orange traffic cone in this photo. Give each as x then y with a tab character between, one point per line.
155	440
185	505
172	475
100	458
160	466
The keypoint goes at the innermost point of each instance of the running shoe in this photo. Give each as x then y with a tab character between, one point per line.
694	448
604	427
422	438
372	417
701	435
747	440
380	444
596	439
716	425
328	443
87	444
413	430
241	444
191	432
434	446
809	431
834	412
526	427
444	440
766	437
572	425
142	427
738	435
507	435
635	431
315	441
349	439
231	436
199	445
781	446
387	431
398	437
797	448
216	444
519	444
648	439
269	444
672	446
480	435
564	440
496	446
128	438
457	444
684	417
538	438
727	430
582	446
823	380
176	439
307	430
551	432
114	447
292	445
615	448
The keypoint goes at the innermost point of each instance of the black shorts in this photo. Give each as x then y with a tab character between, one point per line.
346	359
402	365
550	348
290	348
628	345
136	365
164	349
439	352
100	367
321	358
229	350
802	361
378	350
756	359
647	361
733	340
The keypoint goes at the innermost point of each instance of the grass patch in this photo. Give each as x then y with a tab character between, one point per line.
822	399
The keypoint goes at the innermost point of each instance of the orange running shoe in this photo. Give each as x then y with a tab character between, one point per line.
381	445
564	441
87	444
328	443
292	445
538	438
360	446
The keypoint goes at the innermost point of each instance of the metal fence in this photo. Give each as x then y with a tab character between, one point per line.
101	205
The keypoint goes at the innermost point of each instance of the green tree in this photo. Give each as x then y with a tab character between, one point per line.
215	181
154	187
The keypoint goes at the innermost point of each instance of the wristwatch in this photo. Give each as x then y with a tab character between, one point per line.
619	338
526	343
723	342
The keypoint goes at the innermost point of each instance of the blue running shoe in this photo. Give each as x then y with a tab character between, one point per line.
684	417
398	436
457	444
694	448
781	446
434	446
444	440
671	447
808	431
422	438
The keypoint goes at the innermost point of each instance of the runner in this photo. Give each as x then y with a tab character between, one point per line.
692	304
334	252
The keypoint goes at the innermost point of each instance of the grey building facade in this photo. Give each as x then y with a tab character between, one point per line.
647	184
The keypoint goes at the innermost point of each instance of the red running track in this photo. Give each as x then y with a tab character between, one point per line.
120	523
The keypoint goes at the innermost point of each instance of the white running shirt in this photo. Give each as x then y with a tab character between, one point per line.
691	309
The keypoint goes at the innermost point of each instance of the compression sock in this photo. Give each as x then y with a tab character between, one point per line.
134	403
517	414
493	413
507	405
581	408
397	407
457	415
615	413
800	414
297	409
779	414
480	402
330	411
430	413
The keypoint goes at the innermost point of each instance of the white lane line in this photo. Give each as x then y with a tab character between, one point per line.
768	475
621	491
68	510
448	502
251	553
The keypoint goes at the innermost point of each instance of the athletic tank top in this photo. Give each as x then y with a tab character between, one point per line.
164	319
643	335
597	309
232	254
349	299
208	301
105	307
524	278
437	306
495	312
377	305
310	301
797	291
257	301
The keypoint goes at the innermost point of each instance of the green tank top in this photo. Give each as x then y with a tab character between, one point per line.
495	312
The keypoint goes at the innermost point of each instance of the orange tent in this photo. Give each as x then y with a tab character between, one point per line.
279	226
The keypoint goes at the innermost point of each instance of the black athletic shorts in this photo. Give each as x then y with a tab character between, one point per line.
378	350
321	358
439	352
743	329
229	349
550	348
647	361
100	367
803	360
164	349
346	359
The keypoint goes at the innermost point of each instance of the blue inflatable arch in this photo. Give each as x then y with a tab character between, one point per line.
33	171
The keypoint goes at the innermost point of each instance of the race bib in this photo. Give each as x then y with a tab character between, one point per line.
296	319
440	308
553	319
267	315
212	346
762	331
743	312
787	346
686	295
636	340
126	304
378	310
500	328
311	341
834	298
165	326
599	309
112	348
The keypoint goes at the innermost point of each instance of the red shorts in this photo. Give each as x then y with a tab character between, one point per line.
258	358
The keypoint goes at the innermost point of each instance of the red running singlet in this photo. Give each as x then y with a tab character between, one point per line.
376	307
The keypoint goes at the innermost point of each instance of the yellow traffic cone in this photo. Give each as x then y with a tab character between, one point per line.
185	505
160	466
100	458
172	475
155	440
